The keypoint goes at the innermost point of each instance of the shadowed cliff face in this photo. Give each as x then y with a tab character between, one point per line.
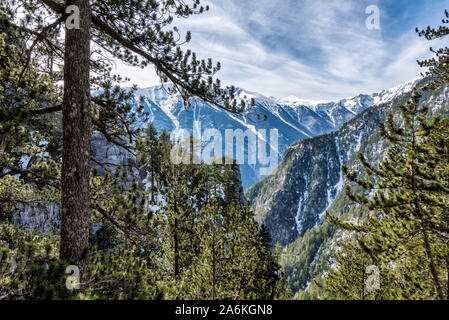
309	178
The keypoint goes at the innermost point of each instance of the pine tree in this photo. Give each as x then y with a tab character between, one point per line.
409	229
398	280
233	262
152	158
149	237
29	152
273	285
76	128
438	65
407	202
135	32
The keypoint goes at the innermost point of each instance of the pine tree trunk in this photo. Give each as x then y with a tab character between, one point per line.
176	241
432	267
176	249
76	122
447	277
214	267
428	249
152	182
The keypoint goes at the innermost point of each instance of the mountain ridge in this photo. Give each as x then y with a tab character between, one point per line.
295	121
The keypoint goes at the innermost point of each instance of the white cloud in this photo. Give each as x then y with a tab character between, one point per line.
313	49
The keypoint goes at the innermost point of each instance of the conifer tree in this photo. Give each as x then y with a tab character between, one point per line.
29	144
354	277
409	228
438	65
136	32
407	204
233	262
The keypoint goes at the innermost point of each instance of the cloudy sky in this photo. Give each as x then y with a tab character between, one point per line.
313	49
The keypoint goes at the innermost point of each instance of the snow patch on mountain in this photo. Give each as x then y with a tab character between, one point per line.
385	96
334	190
302	201
293	100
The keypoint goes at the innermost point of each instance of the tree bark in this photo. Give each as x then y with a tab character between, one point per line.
76	121
432	267
176	250
425	236
447	278
214	266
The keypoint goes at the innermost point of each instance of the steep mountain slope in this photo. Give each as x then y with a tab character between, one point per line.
309	181
295	119
309	178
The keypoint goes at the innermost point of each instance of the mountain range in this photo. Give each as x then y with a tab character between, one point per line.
294	118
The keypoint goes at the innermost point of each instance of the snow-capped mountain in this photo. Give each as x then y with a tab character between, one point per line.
294	118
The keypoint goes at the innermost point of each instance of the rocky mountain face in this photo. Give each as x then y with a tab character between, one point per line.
309	178
294	118
309	181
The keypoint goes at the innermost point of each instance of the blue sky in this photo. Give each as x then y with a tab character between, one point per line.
313	49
